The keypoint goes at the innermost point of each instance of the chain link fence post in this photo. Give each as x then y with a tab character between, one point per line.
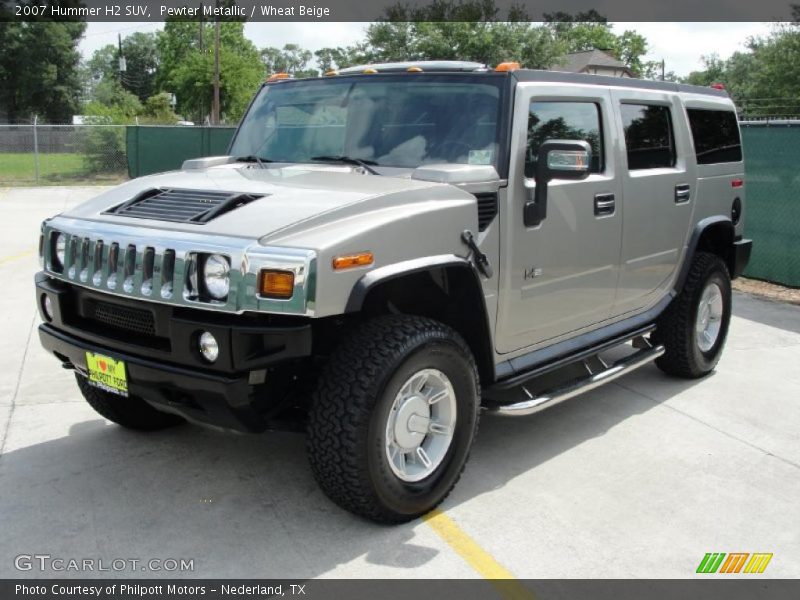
36	146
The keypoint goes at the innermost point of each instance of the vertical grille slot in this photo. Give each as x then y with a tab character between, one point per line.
84	272
113	266
167	274
71	255
129	268
97	265
148	262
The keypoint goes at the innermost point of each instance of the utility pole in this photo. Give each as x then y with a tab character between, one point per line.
202	116
663	64
122	65
215	107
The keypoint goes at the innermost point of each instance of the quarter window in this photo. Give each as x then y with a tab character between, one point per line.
716	136
564	121
648	136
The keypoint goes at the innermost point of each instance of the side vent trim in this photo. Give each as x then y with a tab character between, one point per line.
487	209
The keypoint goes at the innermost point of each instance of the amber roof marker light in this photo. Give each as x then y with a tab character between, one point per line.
507	66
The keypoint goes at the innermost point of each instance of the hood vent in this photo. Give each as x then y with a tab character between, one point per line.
181	205
487	209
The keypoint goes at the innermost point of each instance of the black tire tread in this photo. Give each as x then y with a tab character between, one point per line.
676	324
344	401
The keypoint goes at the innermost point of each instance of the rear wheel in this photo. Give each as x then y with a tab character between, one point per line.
131	412
694	327
394	418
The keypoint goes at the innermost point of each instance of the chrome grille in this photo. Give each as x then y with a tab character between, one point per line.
121	267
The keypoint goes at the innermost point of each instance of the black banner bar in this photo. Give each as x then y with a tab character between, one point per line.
714	587
371	10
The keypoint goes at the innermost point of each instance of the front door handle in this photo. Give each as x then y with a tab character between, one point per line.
683	192
604	205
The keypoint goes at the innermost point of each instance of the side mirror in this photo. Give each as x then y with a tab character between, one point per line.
556	159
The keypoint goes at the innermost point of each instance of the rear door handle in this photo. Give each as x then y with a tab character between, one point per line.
683	192
604	205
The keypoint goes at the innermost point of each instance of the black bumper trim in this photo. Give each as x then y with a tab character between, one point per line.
199	396
741	256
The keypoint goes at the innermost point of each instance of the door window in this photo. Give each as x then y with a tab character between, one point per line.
564	121
648	136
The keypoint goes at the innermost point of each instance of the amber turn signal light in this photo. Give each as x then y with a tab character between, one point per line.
349	261
276	284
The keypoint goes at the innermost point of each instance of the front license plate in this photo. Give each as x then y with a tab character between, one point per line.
107	373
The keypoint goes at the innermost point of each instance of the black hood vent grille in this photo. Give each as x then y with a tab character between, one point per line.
181	205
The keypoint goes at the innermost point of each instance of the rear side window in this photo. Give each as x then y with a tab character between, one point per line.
716	136
564	121
648	136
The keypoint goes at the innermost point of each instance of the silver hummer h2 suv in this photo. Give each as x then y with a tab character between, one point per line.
389	250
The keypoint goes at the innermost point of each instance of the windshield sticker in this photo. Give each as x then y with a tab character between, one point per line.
480	157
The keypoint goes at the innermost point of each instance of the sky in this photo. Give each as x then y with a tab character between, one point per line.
681	45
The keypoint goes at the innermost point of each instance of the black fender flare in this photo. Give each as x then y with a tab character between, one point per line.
697	233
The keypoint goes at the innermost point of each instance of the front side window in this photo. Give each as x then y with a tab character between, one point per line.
392	122
648	136
716	136
564	121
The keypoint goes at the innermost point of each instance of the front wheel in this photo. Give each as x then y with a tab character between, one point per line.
694	327
393	418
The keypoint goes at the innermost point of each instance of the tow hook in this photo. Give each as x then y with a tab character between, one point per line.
479	257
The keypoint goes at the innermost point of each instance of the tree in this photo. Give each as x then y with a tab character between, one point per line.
186	67
455	30
290	59
39	70
765	79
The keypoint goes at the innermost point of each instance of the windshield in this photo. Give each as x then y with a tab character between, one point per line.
401	121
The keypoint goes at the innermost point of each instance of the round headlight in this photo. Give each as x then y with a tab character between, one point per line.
216	276
209	347
61	248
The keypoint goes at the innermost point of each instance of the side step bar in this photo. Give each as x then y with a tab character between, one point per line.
609	373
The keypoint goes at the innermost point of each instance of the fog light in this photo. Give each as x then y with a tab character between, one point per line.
209	347
47	307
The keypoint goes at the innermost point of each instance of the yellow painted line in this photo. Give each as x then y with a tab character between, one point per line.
501	578
13	257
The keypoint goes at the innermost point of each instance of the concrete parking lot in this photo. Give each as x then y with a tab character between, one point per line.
640	478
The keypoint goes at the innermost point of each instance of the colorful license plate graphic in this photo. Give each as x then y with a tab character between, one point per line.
107	373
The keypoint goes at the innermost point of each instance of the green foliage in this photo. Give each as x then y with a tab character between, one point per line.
186	68
158	109
39	70
765	79
290	59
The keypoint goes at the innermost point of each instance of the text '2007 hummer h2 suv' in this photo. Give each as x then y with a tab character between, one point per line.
391	249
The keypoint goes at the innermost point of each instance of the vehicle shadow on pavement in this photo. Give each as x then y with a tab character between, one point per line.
247	506
767	312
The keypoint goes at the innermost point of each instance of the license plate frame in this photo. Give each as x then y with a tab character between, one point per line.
107	373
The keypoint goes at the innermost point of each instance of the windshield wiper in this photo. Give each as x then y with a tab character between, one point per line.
361	162
253	158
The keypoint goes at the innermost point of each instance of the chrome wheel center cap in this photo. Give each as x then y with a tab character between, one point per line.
412	423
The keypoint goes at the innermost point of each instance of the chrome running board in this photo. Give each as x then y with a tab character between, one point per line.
595	378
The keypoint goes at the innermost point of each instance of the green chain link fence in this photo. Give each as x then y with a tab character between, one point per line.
153	149
772	209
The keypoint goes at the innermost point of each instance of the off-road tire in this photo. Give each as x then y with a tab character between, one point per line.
347	420
131	412
676	327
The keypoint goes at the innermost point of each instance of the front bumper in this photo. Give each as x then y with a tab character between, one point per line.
239	391
741	256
